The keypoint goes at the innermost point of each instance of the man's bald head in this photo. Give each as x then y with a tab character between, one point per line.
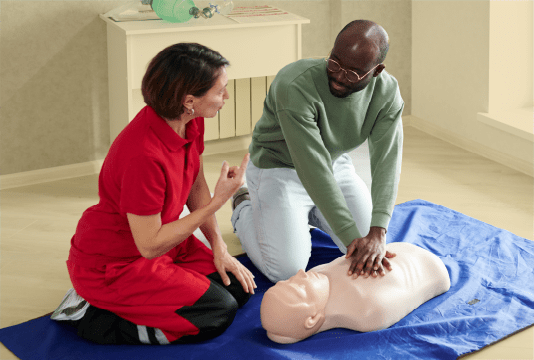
369	33
360	47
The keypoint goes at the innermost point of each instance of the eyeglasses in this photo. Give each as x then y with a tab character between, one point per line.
351	76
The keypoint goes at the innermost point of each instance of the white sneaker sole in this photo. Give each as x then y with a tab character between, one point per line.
72	307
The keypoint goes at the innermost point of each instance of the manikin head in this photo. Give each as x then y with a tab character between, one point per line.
294	309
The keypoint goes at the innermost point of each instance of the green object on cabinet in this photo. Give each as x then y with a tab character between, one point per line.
175	11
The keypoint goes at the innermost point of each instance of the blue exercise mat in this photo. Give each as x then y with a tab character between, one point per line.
491	297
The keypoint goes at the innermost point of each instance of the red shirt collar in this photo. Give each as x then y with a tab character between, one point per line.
166	134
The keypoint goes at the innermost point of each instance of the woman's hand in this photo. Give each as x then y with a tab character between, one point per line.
231	179
225	262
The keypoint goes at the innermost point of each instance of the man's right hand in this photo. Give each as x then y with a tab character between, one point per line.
369	255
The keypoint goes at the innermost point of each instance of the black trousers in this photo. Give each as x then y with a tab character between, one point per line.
212	314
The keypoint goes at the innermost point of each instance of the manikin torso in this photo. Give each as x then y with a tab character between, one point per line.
369	304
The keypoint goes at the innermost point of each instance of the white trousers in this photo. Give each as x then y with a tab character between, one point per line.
273	225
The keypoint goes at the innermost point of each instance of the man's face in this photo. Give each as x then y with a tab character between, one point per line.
355	58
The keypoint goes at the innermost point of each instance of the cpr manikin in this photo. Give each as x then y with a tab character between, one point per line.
325	297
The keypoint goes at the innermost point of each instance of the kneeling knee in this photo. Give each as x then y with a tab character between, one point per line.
284	272
235	288
212	313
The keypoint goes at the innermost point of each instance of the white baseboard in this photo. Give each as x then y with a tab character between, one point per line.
50	174
467	144
93	167
406	120
517	122
242	143
222	146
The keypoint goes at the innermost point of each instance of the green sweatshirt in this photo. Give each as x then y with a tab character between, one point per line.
305	127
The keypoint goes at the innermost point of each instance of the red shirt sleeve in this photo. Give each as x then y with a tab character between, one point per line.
143	187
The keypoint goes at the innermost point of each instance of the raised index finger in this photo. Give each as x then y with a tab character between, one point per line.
225	167
244	163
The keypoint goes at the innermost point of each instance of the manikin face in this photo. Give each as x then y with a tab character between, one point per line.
306	288
294	309
208	105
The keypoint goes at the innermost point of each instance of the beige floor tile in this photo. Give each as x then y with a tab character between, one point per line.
519	346
5	354
38	238
10	225
63	199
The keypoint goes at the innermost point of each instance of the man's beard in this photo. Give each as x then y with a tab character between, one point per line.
344	92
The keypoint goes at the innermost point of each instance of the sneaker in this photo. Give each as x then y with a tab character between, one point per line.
240	195
72	307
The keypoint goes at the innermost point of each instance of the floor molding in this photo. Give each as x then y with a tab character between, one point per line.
232	144
50	174
469	145
33	177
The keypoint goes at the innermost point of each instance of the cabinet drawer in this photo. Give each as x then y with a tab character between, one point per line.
253	60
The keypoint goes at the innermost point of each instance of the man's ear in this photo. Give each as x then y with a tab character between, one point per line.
312	321
379	69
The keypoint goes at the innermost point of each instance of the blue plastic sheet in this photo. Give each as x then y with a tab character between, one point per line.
491	297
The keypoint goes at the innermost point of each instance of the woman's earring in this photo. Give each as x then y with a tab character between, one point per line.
192	112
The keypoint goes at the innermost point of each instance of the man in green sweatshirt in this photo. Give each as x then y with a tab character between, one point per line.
299	172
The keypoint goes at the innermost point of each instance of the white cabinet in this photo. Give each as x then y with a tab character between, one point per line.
256	51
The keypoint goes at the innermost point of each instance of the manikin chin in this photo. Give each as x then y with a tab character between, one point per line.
325	297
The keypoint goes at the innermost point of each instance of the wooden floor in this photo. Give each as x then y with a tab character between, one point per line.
38	221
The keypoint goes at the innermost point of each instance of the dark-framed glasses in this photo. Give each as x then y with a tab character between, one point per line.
333	66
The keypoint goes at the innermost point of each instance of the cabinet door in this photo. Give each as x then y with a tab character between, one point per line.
227	113
270	81
258	91
242	106
211	128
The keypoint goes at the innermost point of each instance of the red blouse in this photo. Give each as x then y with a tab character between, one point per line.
149	169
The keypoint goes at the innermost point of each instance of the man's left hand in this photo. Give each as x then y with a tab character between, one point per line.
369	254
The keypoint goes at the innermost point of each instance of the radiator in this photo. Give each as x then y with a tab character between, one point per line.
241	111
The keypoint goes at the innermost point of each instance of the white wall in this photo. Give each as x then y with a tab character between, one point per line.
451	80
53	71
510	53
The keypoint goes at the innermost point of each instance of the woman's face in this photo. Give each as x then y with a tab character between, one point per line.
208	105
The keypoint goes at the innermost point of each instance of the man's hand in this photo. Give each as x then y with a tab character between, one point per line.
225	262
369	254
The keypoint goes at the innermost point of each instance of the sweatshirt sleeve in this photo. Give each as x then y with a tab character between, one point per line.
385	150
313	164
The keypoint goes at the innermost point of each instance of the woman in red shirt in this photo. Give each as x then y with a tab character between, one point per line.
139	274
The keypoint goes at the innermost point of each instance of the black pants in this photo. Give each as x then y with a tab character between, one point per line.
212	314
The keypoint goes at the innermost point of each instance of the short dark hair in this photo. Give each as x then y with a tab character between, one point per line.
381	37
179	70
